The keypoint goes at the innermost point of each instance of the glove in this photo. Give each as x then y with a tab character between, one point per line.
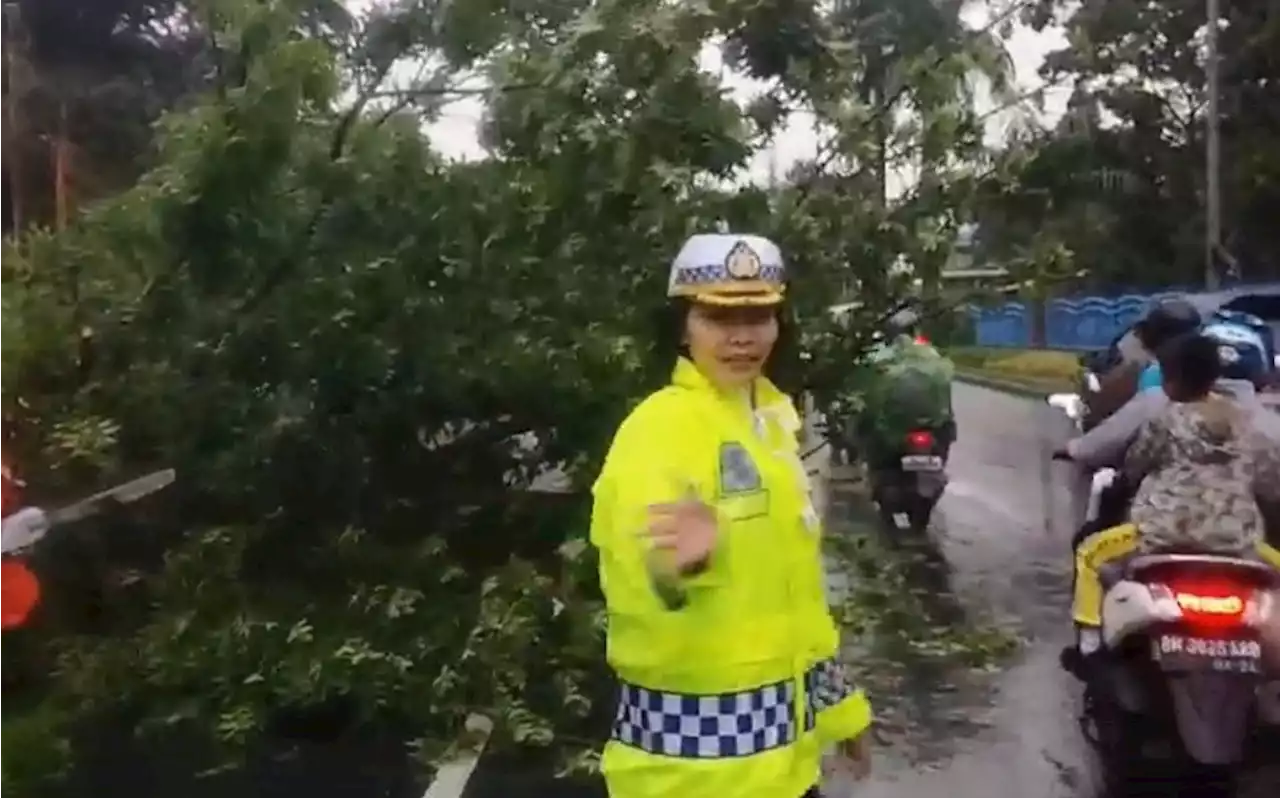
24	528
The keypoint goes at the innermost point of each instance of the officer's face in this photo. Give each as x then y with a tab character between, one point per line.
731	345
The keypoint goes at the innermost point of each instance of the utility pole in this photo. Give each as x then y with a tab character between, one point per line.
13	102
1213	151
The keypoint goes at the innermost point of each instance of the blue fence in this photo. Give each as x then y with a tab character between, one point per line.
1090	322
1080	323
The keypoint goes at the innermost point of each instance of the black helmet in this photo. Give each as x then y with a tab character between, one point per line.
1169	319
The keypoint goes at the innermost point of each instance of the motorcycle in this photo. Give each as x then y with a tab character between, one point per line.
1183	672
907	473
908	480
1181	683
904	425
23	529
1072	406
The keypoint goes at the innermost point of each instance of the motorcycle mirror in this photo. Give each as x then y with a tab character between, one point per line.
1069	403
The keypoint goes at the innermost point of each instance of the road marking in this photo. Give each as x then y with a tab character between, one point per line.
451	779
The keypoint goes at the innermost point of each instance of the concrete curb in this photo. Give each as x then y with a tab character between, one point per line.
1004	385
452	777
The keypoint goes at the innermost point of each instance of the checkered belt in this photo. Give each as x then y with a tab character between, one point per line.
728	724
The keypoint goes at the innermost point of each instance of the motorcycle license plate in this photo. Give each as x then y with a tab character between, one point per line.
921	462
1208	653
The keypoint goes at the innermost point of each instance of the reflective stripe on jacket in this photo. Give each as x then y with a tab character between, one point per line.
736	692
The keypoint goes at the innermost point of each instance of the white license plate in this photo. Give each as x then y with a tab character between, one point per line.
922	462
1191	646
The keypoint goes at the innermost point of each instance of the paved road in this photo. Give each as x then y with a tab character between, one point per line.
998	529
1004	526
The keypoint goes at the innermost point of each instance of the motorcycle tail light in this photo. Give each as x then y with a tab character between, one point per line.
921	339
1207	601
920	440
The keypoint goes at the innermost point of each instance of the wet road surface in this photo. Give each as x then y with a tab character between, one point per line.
1004	527
1012	733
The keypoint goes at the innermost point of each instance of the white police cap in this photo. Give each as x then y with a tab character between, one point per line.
728	269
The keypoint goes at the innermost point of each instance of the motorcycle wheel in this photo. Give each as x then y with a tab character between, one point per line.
1117	748
1124	767
918	513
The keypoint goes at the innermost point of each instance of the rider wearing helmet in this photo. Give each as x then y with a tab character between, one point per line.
1242	350
1105	444
1169	319
1138	371
1205	462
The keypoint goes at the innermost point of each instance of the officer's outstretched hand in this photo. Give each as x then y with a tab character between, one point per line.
686	530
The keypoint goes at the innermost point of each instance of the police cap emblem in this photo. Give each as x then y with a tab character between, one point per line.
742	262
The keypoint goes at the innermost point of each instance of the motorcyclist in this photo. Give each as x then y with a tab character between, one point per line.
1244	371
1206	465
1138	370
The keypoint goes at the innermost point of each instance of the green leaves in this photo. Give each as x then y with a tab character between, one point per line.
360	359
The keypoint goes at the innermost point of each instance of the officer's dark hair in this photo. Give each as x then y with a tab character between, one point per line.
783	367
1189	366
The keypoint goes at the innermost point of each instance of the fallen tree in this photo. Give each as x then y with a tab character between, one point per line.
359	357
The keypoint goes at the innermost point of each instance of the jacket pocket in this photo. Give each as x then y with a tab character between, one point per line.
740	507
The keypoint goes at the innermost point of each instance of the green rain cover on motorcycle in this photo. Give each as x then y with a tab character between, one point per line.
908	387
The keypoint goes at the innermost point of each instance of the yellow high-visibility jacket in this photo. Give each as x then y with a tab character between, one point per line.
735	693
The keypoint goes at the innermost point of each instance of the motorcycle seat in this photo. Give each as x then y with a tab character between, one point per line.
1255	571
1135	566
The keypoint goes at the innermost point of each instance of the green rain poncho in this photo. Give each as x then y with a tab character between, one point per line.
907	387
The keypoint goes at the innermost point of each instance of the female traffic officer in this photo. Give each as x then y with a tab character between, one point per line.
719	629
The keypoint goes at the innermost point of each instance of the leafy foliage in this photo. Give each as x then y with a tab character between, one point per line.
1121	182
360	357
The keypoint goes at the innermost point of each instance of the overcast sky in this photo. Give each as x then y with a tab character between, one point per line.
454	134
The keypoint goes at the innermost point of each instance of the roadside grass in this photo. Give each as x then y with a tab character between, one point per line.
1031	370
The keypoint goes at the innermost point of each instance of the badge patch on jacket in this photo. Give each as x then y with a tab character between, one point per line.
738	473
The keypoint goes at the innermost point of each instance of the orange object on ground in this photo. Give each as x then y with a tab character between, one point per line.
19	592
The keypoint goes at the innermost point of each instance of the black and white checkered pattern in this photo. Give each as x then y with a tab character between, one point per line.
707	726
719	273
725	725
